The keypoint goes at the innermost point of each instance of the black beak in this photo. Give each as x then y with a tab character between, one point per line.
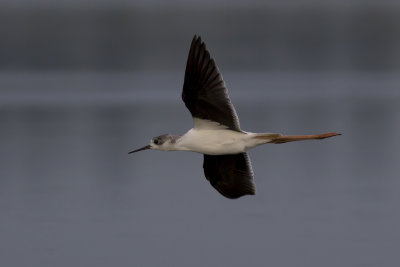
140	149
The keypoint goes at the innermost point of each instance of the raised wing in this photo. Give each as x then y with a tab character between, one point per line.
231	175
204	91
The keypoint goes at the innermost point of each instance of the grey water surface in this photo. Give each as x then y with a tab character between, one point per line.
70	195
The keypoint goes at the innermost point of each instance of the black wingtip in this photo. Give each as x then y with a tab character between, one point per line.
196	39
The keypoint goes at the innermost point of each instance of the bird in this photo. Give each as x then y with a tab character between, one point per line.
216	132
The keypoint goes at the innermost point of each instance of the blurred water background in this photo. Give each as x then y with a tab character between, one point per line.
83	83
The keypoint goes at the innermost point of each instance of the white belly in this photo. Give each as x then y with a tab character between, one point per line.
216	142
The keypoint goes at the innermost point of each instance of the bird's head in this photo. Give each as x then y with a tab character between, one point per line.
163	142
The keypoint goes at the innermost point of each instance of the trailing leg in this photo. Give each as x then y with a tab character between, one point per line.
280	139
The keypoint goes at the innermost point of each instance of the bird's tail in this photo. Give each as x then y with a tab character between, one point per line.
280	139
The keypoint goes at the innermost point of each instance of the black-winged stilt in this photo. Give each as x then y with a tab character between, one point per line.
216	132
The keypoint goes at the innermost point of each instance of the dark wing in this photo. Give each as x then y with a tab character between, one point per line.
231	175
204	91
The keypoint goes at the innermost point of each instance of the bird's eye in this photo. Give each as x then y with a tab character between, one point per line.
155	141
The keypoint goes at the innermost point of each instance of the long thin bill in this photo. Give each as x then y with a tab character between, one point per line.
140	149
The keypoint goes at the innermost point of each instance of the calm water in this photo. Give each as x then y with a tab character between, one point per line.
70	195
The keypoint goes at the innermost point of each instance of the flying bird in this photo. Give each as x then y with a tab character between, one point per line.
216	132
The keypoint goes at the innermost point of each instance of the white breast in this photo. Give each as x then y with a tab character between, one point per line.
214	142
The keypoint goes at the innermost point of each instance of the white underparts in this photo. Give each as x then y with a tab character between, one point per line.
212	138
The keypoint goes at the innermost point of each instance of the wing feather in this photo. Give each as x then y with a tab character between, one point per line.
231	175
204	91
